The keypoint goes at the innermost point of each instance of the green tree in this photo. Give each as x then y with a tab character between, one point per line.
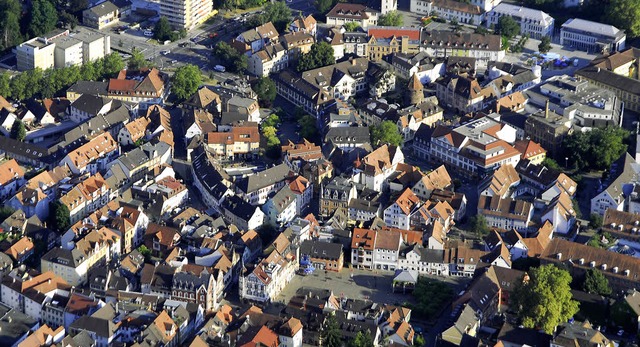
18	130
323	6
137	60
544	300
596	149
42	18
392	19
59	216
551	164
595	221
186	81
430	296
271	121
145	252
385	133
351	26
278	13
331	334
624	14
162	31
68	20
596	283
229	57
308	127
272	142
508	27
320	54
76	6
362	339
266	91
5	85
545	44
479	225
112	64
10	34
5	212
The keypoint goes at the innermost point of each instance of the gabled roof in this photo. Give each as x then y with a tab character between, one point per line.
407	201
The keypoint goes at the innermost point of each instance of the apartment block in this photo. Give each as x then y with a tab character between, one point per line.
592	36
536	23
186	14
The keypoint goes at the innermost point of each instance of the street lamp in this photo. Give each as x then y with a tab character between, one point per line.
566	162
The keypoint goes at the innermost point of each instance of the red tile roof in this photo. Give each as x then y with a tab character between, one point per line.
388	32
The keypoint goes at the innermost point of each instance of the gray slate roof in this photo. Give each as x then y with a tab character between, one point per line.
263	179
321	250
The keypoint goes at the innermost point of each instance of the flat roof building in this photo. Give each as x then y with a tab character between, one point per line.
592	36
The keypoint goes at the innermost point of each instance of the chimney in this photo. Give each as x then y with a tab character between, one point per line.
546	109
498	107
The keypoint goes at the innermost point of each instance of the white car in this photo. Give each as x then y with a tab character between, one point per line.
165	52
219	68
148	33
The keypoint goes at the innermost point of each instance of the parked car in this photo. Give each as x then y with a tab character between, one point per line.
148	33
165	52
219	68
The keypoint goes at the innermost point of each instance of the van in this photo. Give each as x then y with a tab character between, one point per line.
219	68
148	33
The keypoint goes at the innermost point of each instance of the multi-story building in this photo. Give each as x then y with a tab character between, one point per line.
343	13
621	270
623	177
578	100
322	255
145	87
548	129
398	213
449	9
86	197
255	189
535	23
297	90
336	194
506	213
460	93
96	248
271	59
63	48
592	36
374	169
240	142
37	52
29	294
242	214
387	40
483	48
186	14
362	246
617	72
477	147
427	68
101	15
342	80
92	156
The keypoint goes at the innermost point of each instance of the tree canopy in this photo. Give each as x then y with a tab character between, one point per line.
308	127
18	130
331	334
42	18
385	132
545	44
363	339
351	26
186	81
508	26
323	6
10	34
430	295
229	57
391	18
162	31
544	300
59	216
479	225
320	54
266	91
625	14
596	149
137	60
277	13
596	283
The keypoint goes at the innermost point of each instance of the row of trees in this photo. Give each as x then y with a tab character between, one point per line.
42	17
50	82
